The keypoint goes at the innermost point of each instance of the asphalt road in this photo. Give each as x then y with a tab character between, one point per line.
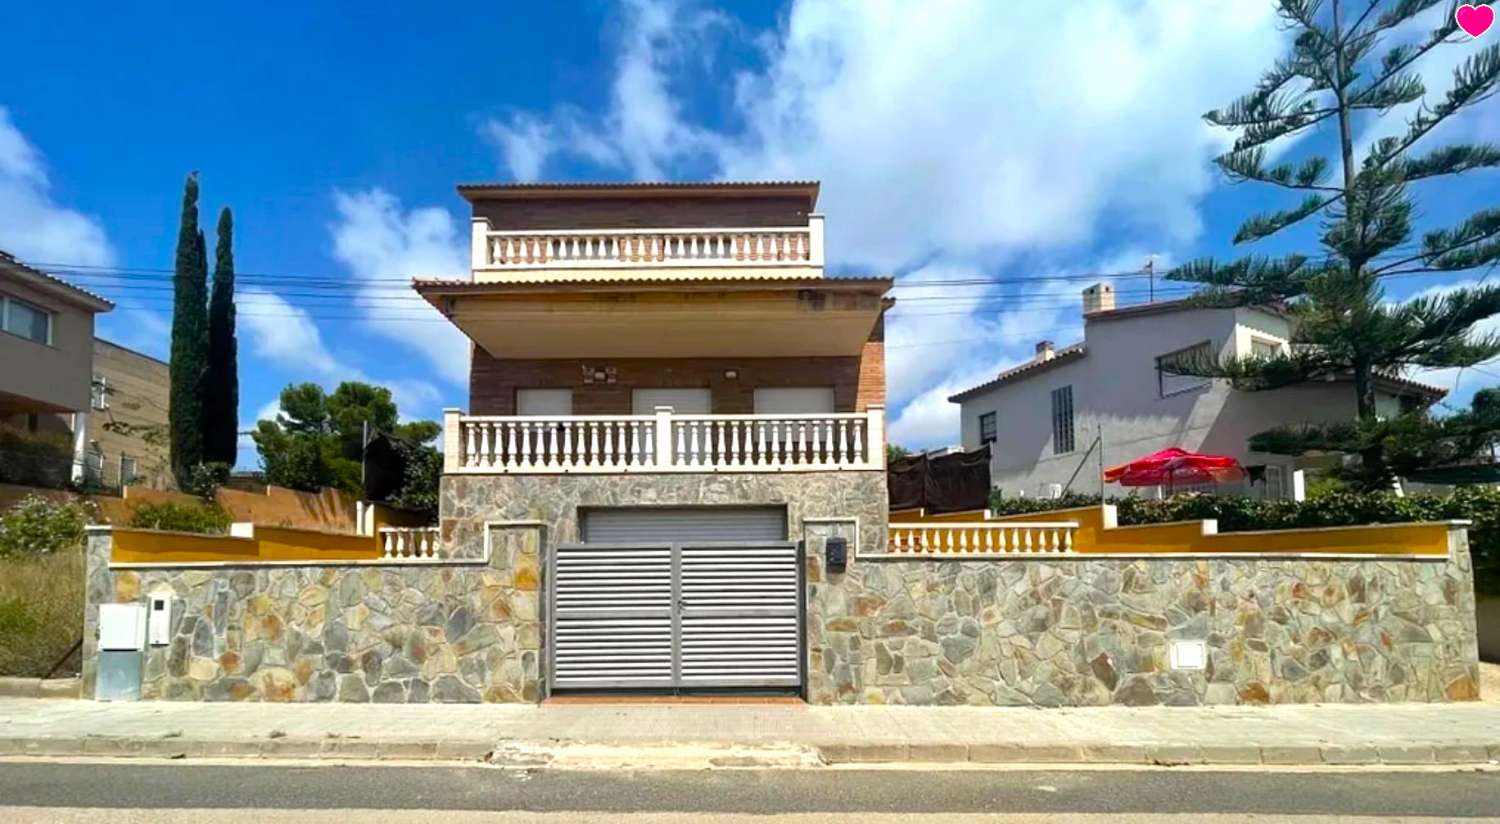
269	786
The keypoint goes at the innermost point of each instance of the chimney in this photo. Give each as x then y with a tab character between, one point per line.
1044	351
1099	298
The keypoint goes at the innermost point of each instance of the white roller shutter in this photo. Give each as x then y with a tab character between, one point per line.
682	401
676	524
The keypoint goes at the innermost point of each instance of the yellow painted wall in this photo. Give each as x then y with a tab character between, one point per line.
142	546
1189	538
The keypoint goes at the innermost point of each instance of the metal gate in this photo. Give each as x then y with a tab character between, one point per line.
679	613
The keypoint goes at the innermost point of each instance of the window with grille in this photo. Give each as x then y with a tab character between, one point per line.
93	466
127	470
1062	420
99	393
986	428
1168	384
1264	348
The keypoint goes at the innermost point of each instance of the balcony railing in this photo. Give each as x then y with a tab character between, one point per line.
981	538
404	543
662	442
649	248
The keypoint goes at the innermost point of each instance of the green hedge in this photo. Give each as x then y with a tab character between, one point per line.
39	526
172	517
1236	514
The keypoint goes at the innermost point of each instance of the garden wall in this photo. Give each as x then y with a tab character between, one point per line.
1073	631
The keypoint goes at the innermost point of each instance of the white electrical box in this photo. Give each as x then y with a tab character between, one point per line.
159	624
122	627
1188	655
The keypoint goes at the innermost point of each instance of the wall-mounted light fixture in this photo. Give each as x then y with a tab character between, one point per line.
731	374
598	374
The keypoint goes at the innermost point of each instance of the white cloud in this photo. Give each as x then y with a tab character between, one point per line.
270	411
525	143
951	141
33	226
133	325
644	130
285	336
380	242
975	129
1435	69
1460	383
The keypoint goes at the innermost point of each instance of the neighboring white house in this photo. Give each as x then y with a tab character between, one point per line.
1041	417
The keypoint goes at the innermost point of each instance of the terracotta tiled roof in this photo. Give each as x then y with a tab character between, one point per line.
1067	354
97	302
1399	382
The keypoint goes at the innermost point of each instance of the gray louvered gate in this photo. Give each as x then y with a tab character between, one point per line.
680	613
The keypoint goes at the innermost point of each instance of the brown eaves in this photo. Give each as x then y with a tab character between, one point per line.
60	287
725	188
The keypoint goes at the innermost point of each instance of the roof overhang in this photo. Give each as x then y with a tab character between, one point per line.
53	286
810	317
597	191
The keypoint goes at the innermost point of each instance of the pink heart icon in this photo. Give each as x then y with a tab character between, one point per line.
1475	20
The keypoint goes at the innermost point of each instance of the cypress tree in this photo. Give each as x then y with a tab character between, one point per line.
221	395
1333	77
189	338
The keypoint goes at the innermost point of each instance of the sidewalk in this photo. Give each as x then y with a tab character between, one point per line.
758	734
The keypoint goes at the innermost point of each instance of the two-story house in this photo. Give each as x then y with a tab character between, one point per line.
126	430
1040	418
46	362
667	395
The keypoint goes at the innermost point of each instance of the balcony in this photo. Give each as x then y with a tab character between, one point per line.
793	248
663	442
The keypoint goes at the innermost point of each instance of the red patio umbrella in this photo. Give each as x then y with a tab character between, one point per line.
1173	466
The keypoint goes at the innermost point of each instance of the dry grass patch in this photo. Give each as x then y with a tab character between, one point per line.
41	612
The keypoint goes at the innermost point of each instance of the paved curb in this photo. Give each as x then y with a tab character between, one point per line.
839	753
39	688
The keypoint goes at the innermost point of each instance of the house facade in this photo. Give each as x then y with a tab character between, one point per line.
671	478
1041	418
46	345
668	397
126	425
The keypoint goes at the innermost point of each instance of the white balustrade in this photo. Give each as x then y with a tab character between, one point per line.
733	442
663	442
981	538
402	543
625	248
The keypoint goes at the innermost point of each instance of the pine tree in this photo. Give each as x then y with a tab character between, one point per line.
189	338
221	395
1343	327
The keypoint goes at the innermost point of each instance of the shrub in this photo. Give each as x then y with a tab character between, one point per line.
174	517
41	612
205	479
35	458
1235	513
38	526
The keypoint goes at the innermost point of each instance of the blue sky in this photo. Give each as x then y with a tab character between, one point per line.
974	139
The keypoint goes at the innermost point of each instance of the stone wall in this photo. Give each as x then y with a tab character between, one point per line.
1044	631
1055	632
816	502
387	633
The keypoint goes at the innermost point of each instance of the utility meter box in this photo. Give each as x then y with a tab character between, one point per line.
122	627
837	553
159	622
122	638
